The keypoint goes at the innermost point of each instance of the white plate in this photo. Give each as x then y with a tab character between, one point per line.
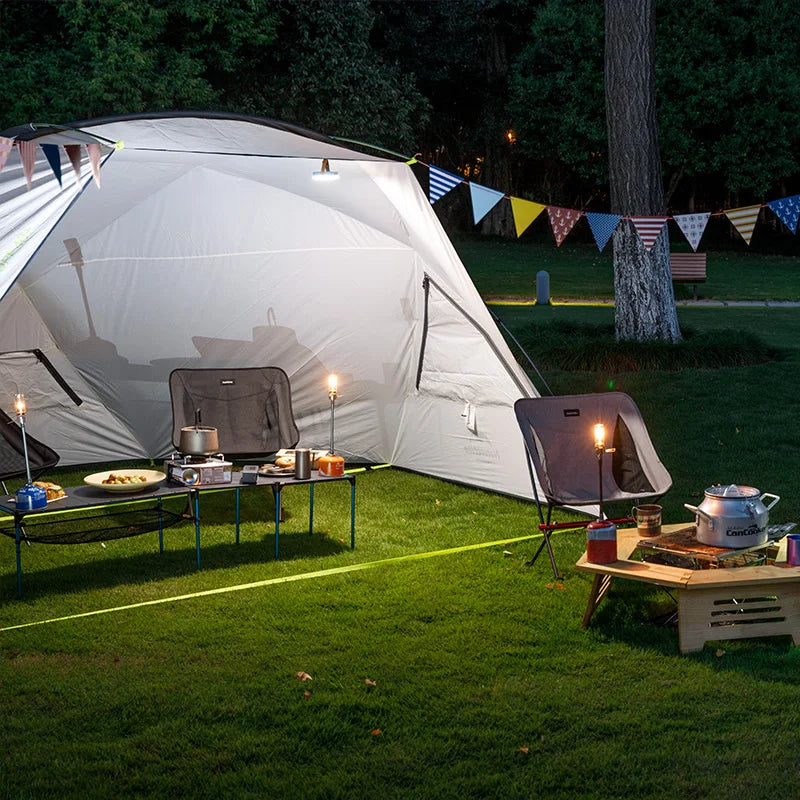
152	476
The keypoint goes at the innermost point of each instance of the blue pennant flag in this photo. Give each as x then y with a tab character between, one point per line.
441	182
602	225
54	159
483	200
787	209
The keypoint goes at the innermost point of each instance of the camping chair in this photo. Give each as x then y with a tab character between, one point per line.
12	453
251	408
562	460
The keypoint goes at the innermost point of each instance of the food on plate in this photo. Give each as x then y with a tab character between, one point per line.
284	461
52	490
124	479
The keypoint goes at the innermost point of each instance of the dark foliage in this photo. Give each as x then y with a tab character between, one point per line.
575	346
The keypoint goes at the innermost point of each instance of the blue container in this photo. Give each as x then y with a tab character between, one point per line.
31	497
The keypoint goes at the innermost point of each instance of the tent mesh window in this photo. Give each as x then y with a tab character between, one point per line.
100	526
251	407
12	454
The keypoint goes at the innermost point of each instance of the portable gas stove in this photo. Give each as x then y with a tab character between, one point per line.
198	470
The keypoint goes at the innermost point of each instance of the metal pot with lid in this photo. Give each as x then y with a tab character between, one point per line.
199	440
732	516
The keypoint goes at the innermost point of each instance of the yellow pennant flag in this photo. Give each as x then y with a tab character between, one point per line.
525	212
744	220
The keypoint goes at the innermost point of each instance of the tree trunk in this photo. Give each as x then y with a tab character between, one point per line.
644	299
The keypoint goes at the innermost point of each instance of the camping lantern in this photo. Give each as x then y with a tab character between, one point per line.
330	464
29	496
600	449
325	173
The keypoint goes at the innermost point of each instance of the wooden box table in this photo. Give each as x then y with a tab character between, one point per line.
713	604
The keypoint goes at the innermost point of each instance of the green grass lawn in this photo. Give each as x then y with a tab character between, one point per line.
481	681
507	268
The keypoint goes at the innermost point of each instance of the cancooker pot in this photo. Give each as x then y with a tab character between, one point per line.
732	516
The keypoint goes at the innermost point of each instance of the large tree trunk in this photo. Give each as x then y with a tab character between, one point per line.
644	299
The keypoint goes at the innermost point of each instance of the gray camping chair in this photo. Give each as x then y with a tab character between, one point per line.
558	434
251	407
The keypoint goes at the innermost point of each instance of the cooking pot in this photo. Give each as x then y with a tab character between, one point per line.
199	440
732	516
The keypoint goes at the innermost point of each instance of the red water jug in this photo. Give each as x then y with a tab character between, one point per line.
601	542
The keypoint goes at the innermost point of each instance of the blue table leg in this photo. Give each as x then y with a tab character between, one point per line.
238	490
160	528
311	508
17	524
197	524
352	513
277	490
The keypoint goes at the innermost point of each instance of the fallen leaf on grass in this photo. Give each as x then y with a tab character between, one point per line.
376	732
438	502
507	553
720	652
524	750
306	695
304	676
369	682
341	541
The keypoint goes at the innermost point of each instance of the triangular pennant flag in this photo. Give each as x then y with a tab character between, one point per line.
5	148
73	152
441	182
483	200
693	226
602	225
787	209
27	154
94	159
524	212
744	220
562	221
53	159
648	229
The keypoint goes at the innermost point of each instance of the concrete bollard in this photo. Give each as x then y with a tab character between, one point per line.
542	288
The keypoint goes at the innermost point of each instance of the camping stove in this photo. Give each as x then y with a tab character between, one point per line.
198	470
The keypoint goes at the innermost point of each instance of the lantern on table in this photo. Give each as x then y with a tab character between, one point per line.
330	464
30	496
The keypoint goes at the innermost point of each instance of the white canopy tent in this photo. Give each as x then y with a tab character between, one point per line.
208	244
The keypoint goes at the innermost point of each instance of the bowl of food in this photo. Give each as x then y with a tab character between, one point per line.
125	480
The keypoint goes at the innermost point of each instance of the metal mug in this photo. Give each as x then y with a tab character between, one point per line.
793	549
302	464
648	519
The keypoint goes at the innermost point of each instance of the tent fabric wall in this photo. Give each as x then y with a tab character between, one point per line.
208	245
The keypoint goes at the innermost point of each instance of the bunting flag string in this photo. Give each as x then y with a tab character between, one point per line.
744	220
483	200
53	159
787	209
73	152
562	221
693	226
5	148
524	213
648	229
603	226
27	154
95	154
441	182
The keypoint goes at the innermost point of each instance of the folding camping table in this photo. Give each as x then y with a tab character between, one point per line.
82	498
725	603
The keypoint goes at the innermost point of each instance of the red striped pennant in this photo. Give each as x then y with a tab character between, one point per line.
648	229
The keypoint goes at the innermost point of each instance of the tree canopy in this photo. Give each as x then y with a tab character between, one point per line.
508	92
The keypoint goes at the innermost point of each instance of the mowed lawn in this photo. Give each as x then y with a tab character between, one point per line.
433	662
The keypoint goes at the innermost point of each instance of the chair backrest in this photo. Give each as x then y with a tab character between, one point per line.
251	407
559	438
12	454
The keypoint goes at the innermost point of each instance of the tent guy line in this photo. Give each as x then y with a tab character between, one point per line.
276	581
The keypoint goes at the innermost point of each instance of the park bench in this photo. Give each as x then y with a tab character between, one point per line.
688	268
